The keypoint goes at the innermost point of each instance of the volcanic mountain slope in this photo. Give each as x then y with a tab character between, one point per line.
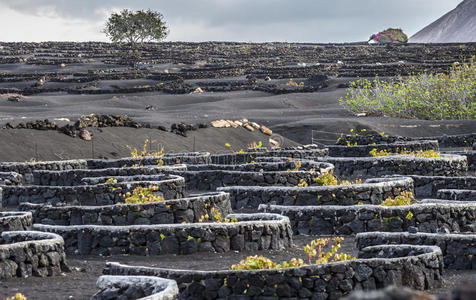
457	26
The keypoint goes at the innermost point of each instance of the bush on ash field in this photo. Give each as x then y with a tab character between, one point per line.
424	96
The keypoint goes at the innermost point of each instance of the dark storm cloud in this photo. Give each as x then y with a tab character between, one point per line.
311	20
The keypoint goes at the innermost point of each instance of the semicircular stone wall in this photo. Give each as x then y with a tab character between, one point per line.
250	232
31	253
168	159
286	173
188	210
419	267
323	220
372	191
246	157
169	186
15	221
364	150
75	176
135	287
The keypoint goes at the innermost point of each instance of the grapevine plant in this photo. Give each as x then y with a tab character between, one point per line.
315	252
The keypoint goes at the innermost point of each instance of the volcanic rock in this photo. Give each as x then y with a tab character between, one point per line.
220	124
274	143
249	127
13	97
390	292
85	135
68	130
232	124
266	130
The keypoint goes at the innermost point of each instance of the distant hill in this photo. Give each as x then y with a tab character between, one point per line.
457	26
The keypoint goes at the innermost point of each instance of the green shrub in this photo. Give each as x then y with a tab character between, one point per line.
425	96
405	198
142	195
328	178
263	263
419	153
315	250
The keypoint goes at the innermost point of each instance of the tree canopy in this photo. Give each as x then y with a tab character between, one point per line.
136	26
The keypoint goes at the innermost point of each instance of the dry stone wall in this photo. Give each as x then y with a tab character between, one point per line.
168	159
345	220
445	141
15	221
459	250
427	186
370	192
31	253
284	173
74	177
446	165
419	267
10	178
136	288
470	156
26	168
358	150
188	210
251	233
457	195
169	186
246	157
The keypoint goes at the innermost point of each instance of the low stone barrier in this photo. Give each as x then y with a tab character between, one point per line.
445	165
441	201
31	253
373	191
447	141
135	288
457	195
470	156
195	158
246	157
466	289
169	186
345	220
75	176
454	141
251	232
15	221
126	179
392	292
364	150
419	267
10	178
188	210
459	250
427	186
370	139
209	177
26	168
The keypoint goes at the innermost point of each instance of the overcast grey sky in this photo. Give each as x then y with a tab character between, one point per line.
223	20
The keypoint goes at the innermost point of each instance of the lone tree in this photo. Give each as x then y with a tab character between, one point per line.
136	26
